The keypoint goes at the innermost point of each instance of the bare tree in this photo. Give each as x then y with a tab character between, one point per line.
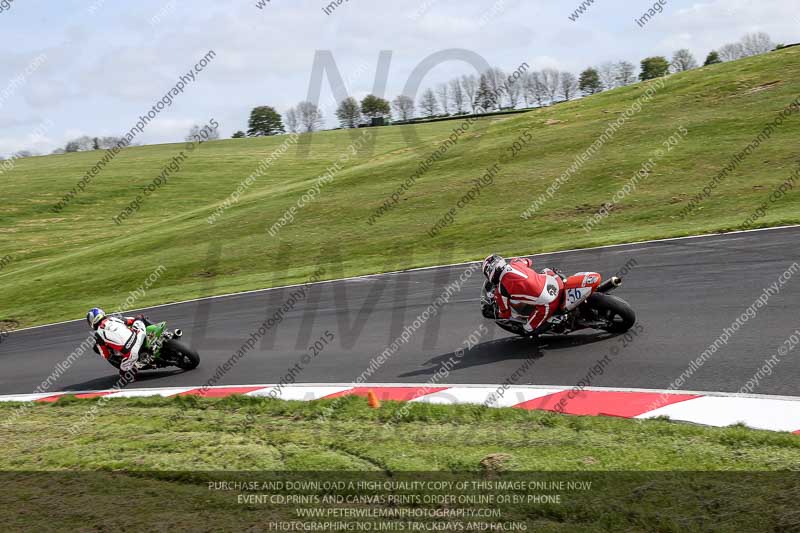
569	85
470	85
86	143
291	120
111	141
626	73
404	107
496	79
81	144
756	43
731	52
514	90
197	132
536	89
309	116
608	75
551	79
750	45
485	97
443	94
527	94
428	103
683	60
458	95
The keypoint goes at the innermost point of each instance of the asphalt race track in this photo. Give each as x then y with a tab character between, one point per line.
684	292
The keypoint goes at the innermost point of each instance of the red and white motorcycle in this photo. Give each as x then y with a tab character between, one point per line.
585	304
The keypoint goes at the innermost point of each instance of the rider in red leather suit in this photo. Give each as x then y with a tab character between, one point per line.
516	291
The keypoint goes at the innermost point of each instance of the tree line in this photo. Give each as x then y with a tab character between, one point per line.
494	90
86	143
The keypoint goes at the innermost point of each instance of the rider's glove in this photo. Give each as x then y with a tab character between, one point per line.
489	310
143	318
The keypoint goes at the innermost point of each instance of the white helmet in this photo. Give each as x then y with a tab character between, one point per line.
492	268
95	316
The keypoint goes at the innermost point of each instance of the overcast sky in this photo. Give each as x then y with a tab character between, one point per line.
105	64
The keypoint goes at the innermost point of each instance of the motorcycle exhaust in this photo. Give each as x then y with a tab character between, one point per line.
178	333
610	284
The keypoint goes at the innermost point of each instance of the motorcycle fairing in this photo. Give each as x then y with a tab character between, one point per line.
579	287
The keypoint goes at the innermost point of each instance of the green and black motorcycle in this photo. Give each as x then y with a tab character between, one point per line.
162	349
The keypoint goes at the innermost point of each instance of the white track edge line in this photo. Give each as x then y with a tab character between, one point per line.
704	235
442	385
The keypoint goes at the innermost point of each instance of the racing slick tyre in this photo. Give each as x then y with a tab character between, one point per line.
183	356
616	311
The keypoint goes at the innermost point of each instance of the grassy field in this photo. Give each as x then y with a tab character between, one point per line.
63	263
182	443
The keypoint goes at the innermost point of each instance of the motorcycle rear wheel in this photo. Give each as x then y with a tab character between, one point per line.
183	356
616	311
